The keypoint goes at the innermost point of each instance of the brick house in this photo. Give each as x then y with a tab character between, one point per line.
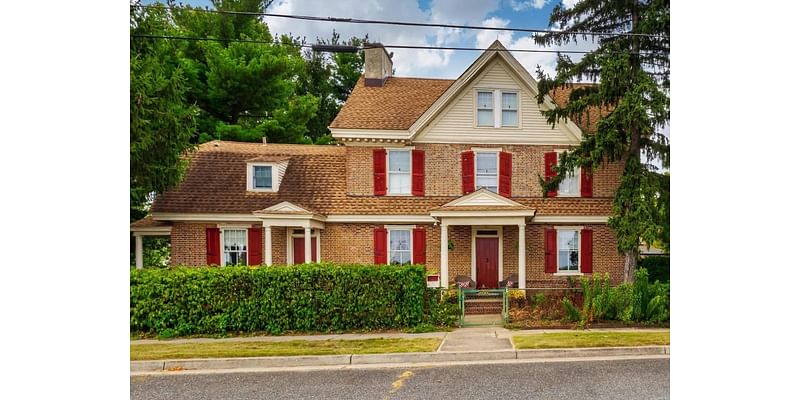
431	171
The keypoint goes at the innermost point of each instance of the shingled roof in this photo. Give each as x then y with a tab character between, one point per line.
395	105
215	182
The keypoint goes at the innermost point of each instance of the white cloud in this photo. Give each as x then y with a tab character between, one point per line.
524	5
569	3
408	62
485	38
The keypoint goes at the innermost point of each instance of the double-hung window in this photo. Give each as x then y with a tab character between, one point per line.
234	246
568	250
509	110
486	170
399	171
485	108
570	185
262	177
399	246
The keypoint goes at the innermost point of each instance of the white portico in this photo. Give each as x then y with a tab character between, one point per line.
486	212
292	217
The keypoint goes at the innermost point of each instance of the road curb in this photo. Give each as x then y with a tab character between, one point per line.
393	358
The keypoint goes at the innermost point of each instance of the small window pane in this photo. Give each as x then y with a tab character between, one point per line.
399	183
262	177
509	101
485	100
486	163
400	161
509	118
485	118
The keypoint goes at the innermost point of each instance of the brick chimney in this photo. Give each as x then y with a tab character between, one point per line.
377	64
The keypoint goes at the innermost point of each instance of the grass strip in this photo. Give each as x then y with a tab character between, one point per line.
161	351
557	340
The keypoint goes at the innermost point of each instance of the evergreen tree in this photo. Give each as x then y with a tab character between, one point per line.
632	75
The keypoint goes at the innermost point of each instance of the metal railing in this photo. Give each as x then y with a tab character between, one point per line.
477	293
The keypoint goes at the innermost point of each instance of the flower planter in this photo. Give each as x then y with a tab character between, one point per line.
433	280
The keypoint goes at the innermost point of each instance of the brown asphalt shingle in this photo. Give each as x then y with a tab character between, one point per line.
395	105
315	180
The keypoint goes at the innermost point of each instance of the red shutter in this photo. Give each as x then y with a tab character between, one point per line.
379	245
255	246
550	160
586	251
550	251
419	246
467	172
505	174
212	246
418	172
379	171
586	182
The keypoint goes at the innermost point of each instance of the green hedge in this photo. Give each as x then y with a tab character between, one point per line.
657	267
309	298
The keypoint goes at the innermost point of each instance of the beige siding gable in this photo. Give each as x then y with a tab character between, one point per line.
456	123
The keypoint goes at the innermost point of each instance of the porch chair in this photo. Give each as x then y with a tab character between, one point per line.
464	282
510	282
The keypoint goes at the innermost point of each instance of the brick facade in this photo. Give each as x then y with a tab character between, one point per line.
443	170
352	243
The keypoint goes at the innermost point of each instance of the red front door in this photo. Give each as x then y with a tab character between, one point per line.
300	250
486	256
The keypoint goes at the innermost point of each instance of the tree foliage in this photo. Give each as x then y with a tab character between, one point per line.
185	92
631	73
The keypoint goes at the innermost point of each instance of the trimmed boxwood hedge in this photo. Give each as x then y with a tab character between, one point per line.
310	298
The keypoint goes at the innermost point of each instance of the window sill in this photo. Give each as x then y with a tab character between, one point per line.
576	273
568	195
398	195
261	190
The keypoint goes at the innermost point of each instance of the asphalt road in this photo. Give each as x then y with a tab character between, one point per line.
639	379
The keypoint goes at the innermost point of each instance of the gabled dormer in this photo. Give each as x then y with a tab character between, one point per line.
264	174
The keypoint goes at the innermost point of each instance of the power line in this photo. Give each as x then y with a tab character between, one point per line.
402	23
388	46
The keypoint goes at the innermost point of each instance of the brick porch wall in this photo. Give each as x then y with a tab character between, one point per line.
605	258
352	243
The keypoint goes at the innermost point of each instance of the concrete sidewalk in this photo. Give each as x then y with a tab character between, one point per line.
474	344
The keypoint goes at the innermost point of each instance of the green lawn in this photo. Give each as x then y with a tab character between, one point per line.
160	351
557	340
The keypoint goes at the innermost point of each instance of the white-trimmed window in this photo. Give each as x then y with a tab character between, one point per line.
262	177
399	171
568	250
399	246
485	103
234	246
486	170
509	109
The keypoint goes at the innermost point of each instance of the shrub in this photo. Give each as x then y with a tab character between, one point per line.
571	313
657	267
440	308
310	298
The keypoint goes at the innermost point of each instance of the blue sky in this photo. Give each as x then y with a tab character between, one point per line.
425	63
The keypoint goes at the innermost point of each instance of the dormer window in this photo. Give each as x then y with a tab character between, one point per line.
264	174
262	177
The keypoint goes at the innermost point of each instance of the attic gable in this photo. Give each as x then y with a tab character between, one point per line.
451	119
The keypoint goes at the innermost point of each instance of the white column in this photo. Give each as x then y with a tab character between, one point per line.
268	244
521	261
139	250
443	267
307	243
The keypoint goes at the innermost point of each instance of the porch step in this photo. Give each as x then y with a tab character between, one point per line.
483	306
